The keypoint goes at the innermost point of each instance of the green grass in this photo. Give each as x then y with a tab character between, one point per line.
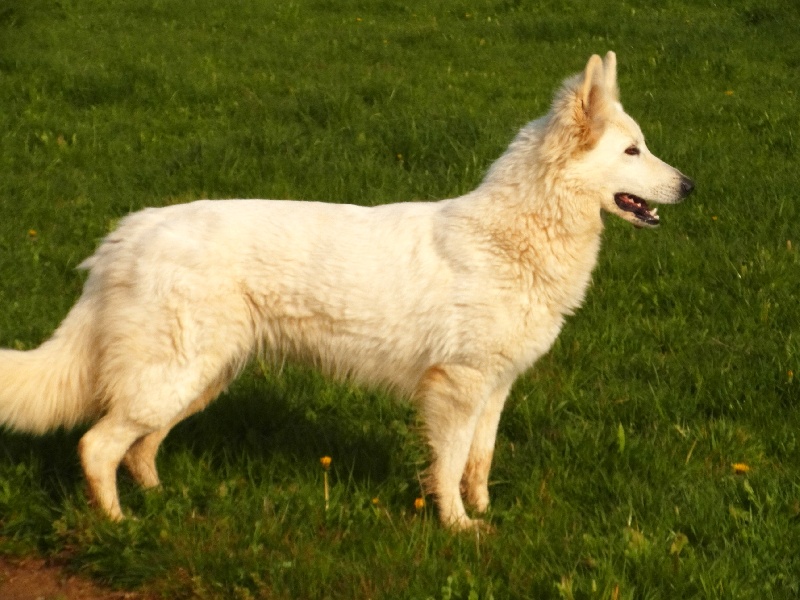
613	474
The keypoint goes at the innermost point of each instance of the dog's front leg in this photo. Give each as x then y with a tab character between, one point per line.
475	482
452	399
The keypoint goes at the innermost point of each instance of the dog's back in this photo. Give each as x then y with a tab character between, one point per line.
445	301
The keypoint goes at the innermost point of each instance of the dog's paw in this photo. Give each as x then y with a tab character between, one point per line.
467	525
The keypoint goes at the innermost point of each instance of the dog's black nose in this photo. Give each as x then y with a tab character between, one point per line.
687	186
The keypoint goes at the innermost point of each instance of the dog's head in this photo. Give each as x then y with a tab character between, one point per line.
609	159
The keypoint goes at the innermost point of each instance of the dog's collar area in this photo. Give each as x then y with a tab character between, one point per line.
638	206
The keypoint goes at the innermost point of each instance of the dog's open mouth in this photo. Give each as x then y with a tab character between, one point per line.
637	206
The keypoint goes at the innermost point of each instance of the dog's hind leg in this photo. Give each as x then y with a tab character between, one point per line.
145	400
452	398
101	450
140	459
475	481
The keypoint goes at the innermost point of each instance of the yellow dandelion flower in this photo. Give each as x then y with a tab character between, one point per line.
740	468
325	461
419	504
375	501
32	233
729	92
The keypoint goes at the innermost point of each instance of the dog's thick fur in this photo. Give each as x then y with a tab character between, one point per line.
446	302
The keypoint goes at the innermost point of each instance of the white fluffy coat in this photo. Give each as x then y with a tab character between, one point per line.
446	302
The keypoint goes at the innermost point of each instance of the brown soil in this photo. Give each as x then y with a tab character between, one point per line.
37	579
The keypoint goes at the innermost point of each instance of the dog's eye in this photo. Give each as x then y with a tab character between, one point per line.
632	151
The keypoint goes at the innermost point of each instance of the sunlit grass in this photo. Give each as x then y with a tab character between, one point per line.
653	453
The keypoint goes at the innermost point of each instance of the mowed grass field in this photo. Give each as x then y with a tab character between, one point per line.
653	453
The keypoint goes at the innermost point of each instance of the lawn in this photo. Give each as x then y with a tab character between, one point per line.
653	453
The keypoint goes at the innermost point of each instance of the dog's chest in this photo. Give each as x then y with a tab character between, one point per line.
538	299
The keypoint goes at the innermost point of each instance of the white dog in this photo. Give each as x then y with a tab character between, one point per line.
446	302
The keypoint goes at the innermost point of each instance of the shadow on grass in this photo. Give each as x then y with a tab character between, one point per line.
53	457
295	418
286	422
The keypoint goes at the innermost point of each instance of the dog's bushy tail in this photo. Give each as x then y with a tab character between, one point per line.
51	386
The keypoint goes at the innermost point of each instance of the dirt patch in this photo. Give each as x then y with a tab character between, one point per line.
37	579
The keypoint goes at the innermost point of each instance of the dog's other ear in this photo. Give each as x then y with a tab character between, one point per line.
610	72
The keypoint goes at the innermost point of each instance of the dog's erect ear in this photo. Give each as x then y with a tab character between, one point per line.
592	77
593	100
584	105
610	72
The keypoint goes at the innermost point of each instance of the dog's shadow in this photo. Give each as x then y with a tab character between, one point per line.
290	418
48	465
298	416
